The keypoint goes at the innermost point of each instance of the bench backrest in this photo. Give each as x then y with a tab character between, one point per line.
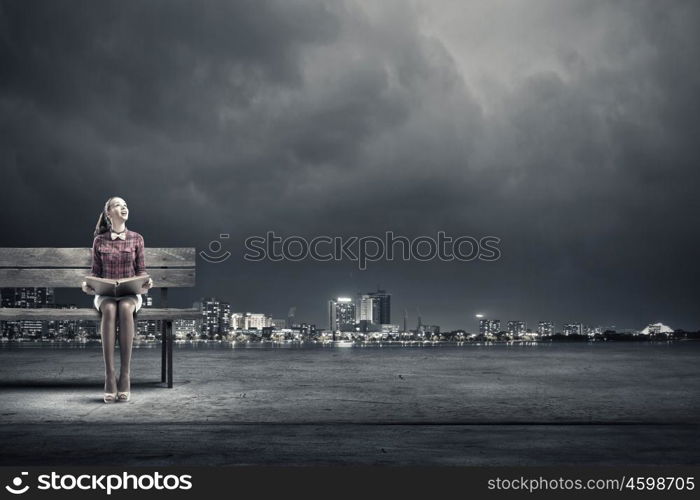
67	267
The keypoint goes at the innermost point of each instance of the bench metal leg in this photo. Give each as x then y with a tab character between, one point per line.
170	353
164	347
167	347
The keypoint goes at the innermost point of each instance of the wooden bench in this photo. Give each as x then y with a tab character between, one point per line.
67	267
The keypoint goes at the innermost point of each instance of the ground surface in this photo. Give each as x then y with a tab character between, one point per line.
626	403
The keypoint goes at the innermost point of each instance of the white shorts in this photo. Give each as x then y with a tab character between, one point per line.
100	298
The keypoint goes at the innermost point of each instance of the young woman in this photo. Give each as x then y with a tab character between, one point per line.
117	253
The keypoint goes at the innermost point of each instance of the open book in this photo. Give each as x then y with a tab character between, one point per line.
117	288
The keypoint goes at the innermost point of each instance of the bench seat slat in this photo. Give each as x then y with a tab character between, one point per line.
71	278
82	257
91	314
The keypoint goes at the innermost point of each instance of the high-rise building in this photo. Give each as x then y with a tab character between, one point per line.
375	307
364	311
489	326
341	314
216	317
224	318
545	328
516	328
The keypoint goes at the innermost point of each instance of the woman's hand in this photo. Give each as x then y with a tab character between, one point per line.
147	285
87	289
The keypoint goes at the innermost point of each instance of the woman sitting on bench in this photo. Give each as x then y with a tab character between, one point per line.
117	253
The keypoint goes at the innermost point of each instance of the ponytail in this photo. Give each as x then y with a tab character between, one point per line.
104	223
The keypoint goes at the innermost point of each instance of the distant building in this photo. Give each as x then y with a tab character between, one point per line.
516	328
257	321
30	298
225	318
250	321
186	329
573	329
341	314
656	329
238	321
63	329
489	326
304	331
88	330
391	328
429	330
216	317
375	307
592	331
545	328
279	324
366	326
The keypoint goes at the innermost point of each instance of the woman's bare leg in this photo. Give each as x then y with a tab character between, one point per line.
108	327
126	341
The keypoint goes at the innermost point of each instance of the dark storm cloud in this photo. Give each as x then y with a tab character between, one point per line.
567	129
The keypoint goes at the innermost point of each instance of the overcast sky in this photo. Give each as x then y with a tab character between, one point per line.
569	129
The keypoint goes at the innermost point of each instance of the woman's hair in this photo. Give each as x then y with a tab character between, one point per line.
104	223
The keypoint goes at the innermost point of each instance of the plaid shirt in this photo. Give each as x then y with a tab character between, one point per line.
118	258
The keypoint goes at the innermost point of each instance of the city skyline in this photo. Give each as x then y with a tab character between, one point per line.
220	318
